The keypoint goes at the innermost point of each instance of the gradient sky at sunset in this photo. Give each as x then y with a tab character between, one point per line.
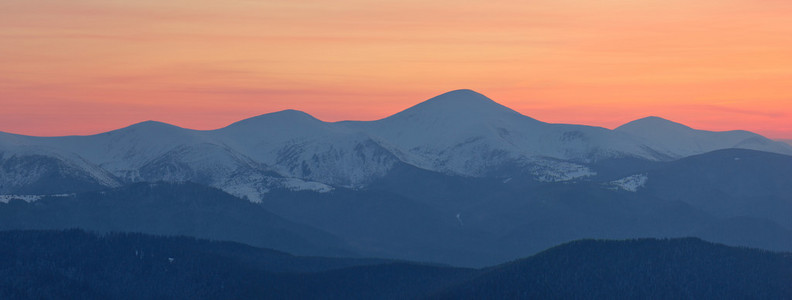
87	66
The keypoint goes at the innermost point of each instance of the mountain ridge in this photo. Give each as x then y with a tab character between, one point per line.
461	132
686	141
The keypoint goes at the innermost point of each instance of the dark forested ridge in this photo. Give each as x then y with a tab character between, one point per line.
74	264
686	268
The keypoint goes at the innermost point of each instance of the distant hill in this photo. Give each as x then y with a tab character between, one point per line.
170	209
75	264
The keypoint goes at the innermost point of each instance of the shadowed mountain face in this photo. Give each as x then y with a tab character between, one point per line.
416	214
668	269
171	209
729	183
420	215
74	264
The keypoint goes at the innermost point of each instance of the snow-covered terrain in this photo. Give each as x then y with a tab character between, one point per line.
26	198
464	132
630	183
556	171
461	132
679	140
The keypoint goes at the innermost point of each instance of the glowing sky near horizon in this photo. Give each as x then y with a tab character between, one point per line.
87	66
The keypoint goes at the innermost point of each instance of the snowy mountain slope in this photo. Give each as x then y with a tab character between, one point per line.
126	150
38	170
460	132
26	162
681	140
288	149
466	133
295	144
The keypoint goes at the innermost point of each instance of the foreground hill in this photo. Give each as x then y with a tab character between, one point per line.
75	264
78	265
636	269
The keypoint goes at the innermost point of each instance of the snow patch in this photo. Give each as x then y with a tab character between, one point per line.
246	191
295	184
29	198
254	187
630	183
246	186
557	171
26	198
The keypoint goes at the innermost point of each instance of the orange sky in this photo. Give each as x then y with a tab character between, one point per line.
87	66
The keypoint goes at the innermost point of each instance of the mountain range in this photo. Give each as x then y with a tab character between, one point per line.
457	179
458	133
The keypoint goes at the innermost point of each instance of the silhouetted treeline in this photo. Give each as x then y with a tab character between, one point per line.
73	264
686	268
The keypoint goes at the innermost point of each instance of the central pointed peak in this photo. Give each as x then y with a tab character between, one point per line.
289	117
149	127
462	105
461	97
652	123
449	119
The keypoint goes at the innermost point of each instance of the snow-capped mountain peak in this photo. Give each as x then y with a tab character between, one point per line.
455	107
289	117
652	123
680	140
461	132
459	100
446	121
149	124
272	128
